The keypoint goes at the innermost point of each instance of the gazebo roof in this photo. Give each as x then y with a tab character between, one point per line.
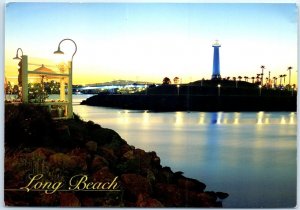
44	69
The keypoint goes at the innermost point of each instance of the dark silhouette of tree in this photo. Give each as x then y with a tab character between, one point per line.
280	76
234	78
166	81
258	77
240	78
275	81
262	74
253	78
284	78
289	69
176	80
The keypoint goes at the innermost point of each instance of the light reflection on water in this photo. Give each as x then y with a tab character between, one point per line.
252	156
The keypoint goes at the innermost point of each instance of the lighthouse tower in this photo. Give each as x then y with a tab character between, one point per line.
216	64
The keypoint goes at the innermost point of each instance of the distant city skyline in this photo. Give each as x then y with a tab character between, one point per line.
150	41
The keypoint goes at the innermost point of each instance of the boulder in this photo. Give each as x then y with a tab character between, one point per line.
61	160
207	200
103	175
128	155
108	154
91	146
146	201
222	195
69	199
98	162
46	199
155	160
165	175
191	184
81	162
169	194
134	185
41	153
124	148
87	201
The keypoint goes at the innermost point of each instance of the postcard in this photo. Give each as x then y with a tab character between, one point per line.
150	105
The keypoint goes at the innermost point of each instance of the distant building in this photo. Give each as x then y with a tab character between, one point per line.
216	62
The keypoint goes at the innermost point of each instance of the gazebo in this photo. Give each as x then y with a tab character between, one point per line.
61	108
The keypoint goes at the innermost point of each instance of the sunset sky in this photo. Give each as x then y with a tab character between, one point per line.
149	41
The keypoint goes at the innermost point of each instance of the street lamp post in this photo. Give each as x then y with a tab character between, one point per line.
178	86
17	57
17	54
22	76
58	51
219	89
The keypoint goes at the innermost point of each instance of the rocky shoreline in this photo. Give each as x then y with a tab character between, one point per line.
60	149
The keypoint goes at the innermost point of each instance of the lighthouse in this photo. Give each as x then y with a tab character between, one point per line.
216	62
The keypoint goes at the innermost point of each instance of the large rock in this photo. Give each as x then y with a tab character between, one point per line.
41	153
98	163
61	160
191	184
169	194
81	162
222	195
155	160
207	200
108	154
165	175
128	155
146	201
69	199
47	199
103	175
134	185
87	201
125	148
91	146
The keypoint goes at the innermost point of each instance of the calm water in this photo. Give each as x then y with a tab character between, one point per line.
251	156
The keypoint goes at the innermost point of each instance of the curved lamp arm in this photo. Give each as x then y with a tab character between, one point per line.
17	54
58	51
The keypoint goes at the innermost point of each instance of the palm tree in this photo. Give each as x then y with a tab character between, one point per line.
284	78
228	78
280	76
240	78
289	69
275	81
258	77
253	78
166	81
246	78
234	79
176	80
262	74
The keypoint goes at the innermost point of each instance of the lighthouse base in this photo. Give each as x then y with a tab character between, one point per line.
216	77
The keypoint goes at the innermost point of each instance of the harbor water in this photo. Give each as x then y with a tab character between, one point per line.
250	155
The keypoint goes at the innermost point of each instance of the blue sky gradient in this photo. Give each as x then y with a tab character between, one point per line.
149	41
